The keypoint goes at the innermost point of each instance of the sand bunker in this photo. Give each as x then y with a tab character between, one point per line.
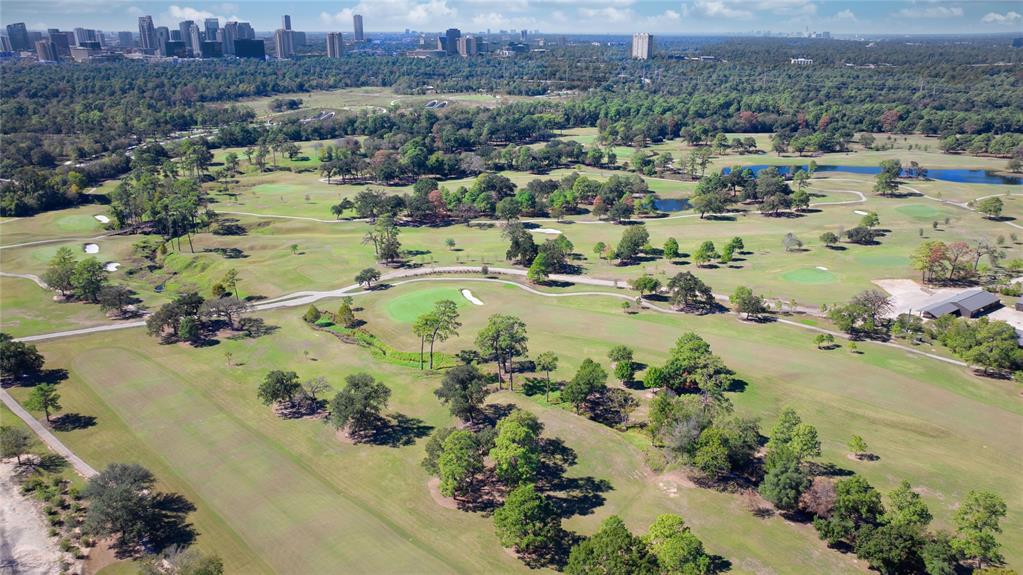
112	266
102	219
861	213
472	299
546	231
91	248
822	268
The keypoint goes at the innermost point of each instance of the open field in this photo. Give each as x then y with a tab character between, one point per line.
374	98
287	496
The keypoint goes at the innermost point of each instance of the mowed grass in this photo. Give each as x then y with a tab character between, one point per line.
355	99
407	307
288	496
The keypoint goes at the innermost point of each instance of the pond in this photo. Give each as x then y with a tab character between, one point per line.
950	175
671	204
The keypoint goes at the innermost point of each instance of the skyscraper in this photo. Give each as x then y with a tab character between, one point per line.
286	22
85	35
245	31
61	42
162	37
228	35
212	25
46	51
18	35
467	46
185	28
195	40
335	45
147	33
282	44
5	44
249	48
451	40
125	40
642	46
357	24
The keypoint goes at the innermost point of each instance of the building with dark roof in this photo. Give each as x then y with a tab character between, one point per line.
969	303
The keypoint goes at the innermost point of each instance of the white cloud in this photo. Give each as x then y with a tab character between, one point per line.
607	14
746	9
188	13
135	10
846	15
1009	17
395	14
932	12
720	9
671	15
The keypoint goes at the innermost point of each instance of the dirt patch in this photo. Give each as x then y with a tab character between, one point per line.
672	481
446	502
100	556
27	547
342	436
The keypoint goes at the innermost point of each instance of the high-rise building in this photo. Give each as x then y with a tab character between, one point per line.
282	44
250	48
229	34
357	24
298	39
61	42
125	40
162	37
85	35
211	50
523	36
467	46
195	40
185	28
176	48
245	31
286	22
642	46
451	37
212	26
335	45
176	36
18	35
146	34
5	44
46	51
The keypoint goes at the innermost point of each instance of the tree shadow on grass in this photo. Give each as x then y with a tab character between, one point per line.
49	463
72	421
570	496
396	430
51	376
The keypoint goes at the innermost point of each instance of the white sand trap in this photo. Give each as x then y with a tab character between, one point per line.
861	213
112	266
472	299
822	268
92	248
102	219
546	231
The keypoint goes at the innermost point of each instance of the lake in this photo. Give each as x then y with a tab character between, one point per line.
671	205
953	175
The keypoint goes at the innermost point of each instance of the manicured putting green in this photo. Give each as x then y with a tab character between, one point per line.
406	308
920	211
276	188
78	223
811	276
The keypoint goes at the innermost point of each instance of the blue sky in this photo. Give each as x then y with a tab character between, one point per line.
564	16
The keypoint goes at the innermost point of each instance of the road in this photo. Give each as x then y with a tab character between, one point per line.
79	465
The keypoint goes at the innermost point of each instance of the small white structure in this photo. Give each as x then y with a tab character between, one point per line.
801	61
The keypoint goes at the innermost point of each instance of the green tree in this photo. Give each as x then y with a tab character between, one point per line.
44	397
345	315
279	386
88	279
890	549
503	339
526	522
444	323
977	524
857	445
632	242
18	359
312	315
463	389
745	301
367	276
612	550
824	340
358	405
589	379
516	451
829	239
705	253
646	284
671	249
906	508
547	362
14	442
539	270
784	481
61	270
459	463
678	550
991	207
857	504
124	504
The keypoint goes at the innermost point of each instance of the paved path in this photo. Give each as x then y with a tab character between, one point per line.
34	278
80	466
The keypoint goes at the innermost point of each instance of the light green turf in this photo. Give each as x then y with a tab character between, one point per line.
408	307
812	276
921	212
287	496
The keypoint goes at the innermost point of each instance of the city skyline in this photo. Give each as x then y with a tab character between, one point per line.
553	16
